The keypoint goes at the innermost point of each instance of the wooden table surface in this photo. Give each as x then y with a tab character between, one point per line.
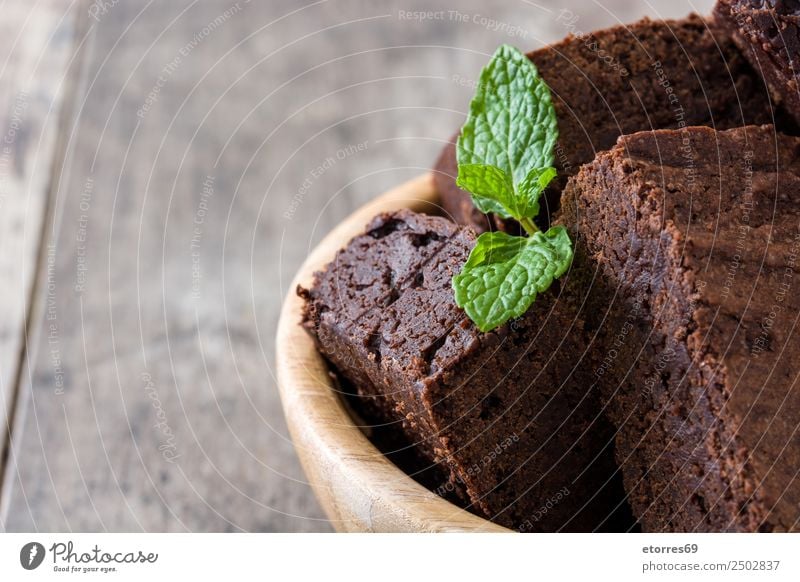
164	169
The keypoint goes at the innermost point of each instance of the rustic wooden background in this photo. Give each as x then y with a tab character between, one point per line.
164	169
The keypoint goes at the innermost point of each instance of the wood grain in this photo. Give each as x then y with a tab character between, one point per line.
35	55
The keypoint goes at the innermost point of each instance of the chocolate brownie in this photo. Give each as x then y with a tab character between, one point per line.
768	32
696	234
509	415
648	75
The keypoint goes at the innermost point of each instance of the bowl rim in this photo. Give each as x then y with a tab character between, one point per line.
357	486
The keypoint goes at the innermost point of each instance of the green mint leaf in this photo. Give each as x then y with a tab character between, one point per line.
512	122
493	191
531	188
504	274
491	188
505	159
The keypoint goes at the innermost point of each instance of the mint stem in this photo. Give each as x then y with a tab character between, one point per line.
528	225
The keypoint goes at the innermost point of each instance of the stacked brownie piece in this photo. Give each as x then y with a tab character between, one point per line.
696	237
648	75
768	32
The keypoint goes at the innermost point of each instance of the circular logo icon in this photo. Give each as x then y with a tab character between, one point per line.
31	555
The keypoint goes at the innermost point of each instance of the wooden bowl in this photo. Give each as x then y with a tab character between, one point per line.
359	489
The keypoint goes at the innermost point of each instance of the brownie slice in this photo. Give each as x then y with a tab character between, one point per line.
696	235
508	415
768	32
648	75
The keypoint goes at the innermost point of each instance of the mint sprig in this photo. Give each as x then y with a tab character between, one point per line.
505	159
505	273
